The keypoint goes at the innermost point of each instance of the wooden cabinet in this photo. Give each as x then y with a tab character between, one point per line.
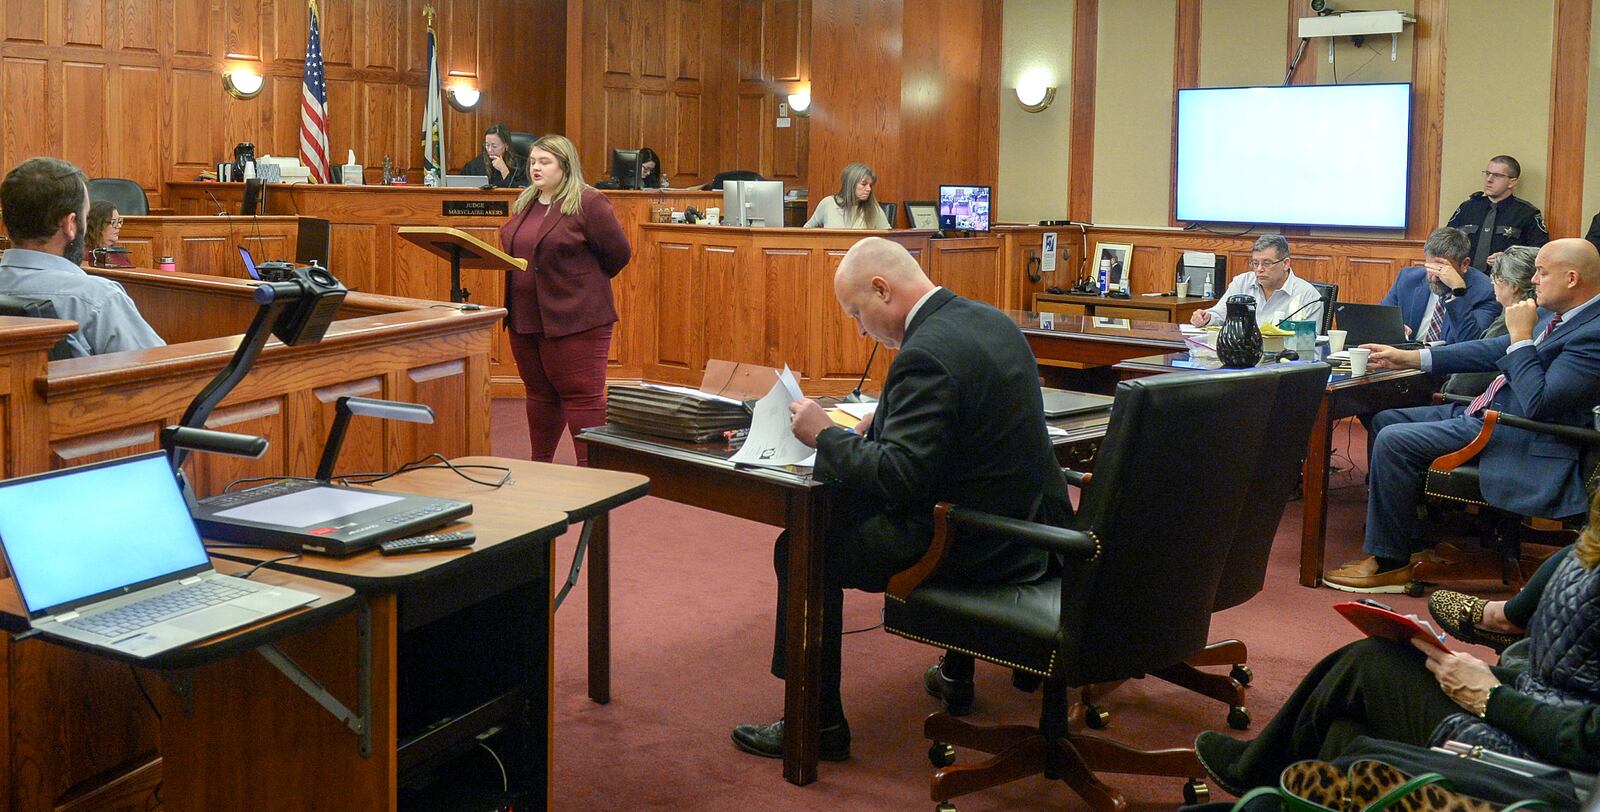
1169	309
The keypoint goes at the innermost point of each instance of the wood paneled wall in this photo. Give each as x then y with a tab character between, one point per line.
698	81
133	88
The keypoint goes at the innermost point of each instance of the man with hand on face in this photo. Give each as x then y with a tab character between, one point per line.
1494	219
45	204
960	419
1549	364
1445	299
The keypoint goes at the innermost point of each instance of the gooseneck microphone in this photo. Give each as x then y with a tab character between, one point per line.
221	211
1299	310
855	395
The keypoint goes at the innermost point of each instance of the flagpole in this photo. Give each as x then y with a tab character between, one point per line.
433	151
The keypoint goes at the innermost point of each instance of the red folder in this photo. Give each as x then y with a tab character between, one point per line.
1375	622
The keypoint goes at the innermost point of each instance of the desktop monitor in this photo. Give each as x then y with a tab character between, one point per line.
312	242
625	169
753	203
964	208
255	198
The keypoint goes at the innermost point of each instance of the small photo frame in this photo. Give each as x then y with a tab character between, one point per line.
923	214
1119	257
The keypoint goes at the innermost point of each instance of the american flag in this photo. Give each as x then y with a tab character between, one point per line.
314	106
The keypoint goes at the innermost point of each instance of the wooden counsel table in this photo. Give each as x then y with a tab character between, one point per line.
1346	396
1169	309
460	642
1088	341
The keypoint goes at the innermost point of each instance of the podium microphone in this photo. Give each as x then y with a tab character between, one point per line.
855	395
222	211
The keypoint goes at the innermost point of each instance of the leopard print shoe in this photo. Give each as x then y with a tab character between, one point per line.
1459	614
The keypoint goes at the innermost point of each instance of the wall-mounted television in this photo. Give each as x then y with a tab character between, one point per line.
1312	155
964	208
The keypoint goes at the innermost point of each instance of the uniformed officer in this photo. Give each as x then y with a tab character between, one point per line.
1494	219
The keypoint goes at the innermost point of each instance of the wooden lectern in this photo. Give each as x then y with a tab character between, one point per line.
463	250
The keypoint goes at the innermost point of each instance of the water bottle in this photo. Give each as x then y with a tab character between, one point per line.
1105	275
168	265
1210	291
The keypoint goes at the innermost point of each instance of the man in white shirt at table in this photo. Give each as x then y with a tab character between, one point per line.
1279	294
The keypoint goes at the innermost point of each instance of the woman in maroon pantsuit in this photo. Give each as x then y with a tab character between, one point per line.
560	308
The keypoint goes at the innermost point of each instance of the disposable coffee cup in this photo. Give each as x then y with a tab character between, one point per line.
1597	418
1183	288
1336	340
1358	360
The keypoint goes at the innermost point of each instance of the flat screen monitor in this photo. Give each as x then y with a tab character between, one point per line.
625	169
312	242
1333	155
964	208
255	198
753	203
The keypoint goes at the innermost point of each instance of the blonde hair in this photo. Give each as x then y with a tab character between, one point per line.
857	210
570	196
1587	550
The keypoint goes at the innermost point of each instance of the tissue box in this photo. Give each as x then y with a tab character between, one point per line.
349	174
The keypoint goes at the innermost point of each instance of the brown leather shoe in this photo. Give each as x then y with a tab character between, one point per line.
1363	576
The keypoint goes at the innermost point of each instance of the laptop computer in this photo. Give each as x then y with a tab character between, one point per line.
107	555
249	263
1065	403
466	181
1372	324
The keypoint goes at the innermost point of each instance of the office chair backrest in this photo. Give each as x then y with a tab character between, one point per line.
734	174
125	194
28	308
1164	520
1330	294
1299	393
888	212
522	143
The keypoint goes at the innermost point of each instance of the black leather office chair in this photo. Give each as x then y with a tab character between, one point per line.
1453	479
1330	294
888	212
29	308
522	143
1117	607
735	174
125	194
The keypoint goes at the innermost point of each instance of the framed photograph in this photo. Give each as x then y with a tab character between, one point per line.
1117	259
923	213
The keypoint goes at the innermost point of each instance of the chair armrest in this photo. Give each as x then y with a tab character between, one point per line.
948	517
1446	463
1576	434
1076	479
1442	397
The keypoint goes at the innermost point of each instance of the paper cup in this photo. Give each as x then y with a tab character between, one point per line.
1358	360
1336	340
1183	288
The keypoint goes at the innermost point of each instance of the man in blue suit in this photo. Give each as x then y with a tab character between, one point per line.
1445	299
1549	365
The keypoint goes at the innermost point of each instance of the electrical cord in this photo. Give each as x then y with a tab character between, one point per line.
370	478
505	783
246	480
252	570
144	693
867	629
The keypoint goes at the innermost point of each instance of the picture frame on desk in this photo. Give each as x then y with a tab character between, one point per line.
1120	256
923	213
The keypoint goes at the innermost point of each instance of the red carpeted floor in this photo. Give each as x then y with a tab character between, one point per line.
692	626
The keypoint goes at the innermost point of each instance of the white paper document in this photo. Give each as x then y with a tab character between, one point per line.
858	410
770	442
684	390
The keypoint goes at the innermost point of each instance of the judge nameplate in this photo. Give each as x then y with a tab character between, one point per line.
477	208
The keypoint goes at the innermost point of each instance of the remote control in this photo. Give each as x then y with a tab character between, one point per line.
431	541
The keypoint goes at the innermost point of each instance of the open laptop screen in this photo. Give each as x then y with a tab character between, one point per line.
83	534
249	263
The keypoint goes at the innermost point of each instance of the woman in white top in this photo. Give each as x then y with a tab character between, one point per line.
855	206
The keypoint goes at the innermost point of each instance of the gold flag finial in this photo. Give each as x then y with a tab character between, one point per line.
312	4
429	11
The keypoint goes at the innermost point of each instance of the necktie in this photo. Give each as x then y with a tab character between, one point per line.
1480	257
1482	401
1435	321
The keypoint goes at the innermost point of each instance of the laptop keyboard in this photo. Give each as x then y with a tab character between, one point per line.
153	610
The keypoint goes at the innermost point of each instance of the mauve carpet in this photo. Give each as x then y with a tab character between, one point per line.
692	604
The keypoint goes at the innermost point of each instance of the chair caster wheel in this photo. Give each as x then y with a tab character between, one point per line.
1239	717
1096	717
1241	674
1196	792
945	807
1414	588
941	754
1025	682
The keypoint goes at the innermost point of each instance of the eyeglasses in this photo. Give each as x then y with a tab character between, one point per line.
1258	264
116	222
1496	175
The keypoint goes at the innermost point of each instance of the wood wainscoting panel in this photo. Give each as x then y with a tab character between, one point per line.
25	86
790	284
313	412
674	345
967	266
447	389
721	277
266	417
352	251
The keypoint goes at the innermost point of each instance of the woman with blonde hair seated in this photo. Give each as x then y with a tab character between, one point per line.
855	206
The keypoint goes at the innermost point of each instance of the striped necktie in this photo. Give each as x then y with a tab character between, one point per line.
1435	321
1482	401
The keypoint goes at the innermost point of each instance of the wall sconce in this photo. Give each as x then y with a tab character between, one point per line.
464	97
1034	92
800	100
242	83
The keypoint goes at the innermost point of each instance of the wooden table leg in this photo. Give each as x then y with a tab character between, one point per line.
803	637
600	608
1314	504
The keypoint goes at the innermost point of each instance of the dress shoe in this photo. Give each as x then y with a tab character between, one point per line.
1219	754
1363	576
767	740
1459	615
956	694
